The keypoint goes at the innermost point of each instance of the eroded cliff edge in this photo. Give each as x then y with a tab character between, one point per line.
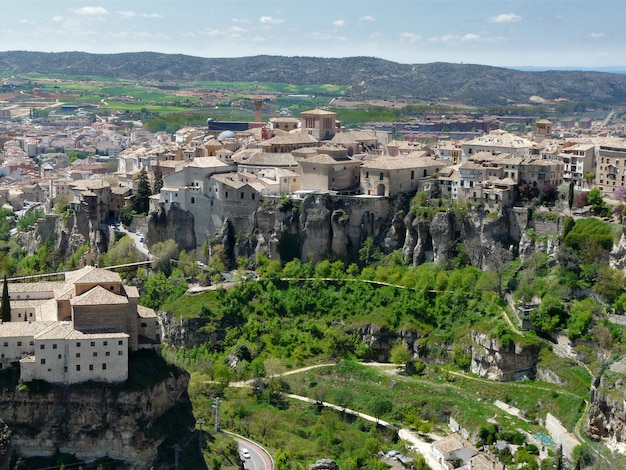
126	422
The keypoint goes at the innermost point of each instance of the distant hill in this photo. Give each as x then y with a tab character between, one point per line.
366	77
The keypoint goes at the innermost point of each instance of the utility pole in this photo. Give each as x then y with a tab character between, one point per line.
217	414
200	423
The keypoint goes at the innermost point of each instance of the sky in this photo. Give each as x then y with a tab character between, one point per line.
507	33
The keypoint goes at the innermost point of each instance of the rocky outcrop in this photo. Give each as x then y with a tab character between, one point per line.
94	421
606	419
181	332
324	464
67	234
175	224
6	448
494	361
617	257
316	234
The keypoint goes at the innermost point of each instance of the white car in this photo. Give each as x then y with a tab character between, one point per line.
245	453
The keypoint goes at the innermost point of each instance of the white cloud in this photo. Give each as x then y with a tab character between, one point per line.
447	39
270	20
127	14
240	20
505	18
367	19
27	22
410	37
339	23
471	37
89	11
57	18
152	15
597	35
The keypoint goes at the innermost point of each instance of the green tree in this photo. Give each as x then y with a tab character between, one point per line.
126	215
123	251
164	253
157	184
570	195
159	289
5	305
141	197
596	201
369	253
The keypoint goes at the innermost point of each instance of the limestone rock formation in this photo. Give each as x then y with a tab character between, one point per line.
324	464
492	360
181	332
607	410
5	446
95	421
175	224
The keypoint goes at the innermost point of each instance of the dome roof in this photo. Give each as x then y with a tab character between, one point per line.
226	135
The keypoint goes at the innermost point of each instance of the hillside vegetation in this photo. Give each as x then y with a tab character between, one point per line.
360	77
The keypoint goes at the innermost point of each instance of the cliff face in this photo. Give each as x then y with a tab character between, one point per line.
606	419
492	360
93	421
67	233
175	224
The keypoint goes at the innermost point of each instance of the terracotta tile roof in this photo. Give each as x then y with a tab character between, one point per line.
99	296
405	162
23	328
145	312
92	275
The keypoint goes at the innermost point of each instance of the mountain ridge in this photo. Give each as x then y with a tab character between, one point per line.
364	77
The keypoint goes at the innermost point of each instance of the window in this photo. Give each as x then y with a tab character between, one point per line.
95	354
253	196
59	357
412	174
19	343
241	197
54	346
105	343
31	343
93	343
6	344
104	366
90	366
193	200
108	353
77	367
42	346
226	195
77	354
120	342
381	176
78	344
120	353
43	361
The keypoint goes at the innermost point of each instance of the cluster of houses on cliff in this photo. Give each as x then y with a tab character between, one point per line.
76	330
227	169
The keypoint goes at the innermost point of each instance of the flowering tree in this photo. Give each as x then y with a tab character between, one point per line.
620	193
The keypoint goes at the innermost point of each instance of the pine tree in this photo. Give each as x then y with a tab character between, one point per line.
158	180
5	305
140	200
570	195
